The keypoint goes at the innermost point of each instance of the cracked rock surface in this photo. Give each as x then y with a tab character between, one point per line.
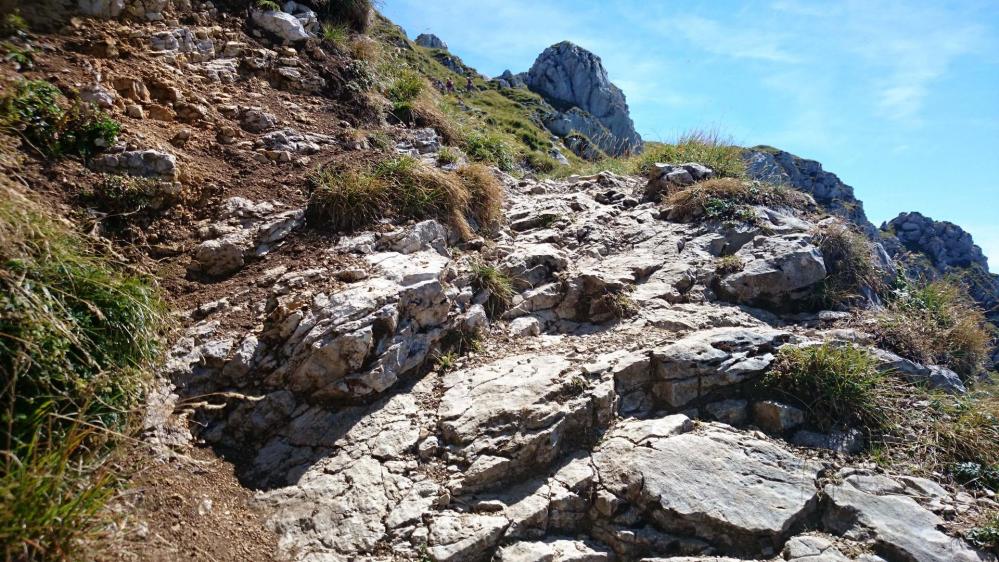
605	414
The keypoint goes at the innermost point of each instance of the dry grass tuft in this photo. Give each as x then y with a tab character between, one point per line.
730	199
486	194
346	197
850	261
936	324
706	147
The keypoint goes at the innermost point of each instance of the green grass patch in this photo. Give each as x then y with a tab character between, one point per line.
837	385
336	35
78	332
703	147
499	285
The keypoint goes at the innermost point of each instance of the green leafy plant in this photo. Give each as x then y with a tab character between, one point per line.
12	23
987	533
35	110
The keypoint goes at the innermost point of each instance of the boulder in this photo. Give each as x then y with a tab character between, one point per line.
775	269
519	414
899	528
282	24
775	417
695	366
144	163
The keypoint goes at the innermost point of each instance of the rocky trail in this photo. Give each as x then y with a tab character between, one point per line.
606	414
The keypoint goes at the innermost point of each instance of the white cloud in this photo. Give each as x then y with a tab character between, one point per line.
735	40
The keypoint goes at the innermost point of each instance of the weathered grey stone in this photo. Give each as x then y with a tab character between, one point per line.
739	493
731	412
775	268
284	25
145	163
899	528
552	550
775	417
934	377
430	41
570	75
519	413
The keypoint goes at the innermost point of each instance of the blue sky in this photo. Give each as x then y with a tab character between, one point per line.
900	99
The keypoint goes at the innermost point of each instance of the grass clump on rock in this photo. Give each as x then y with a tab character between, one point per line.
704	147
849	259
349	196
937	323
837	385
77	334
730	199
498	284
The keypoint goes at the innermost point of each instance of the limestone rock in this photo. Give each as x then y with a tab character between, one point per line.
519	413
282	24
775	268
570	75
714	484
430	41
898	526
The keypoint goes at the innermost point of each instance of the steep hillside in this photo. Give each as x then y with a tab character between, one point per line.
274	290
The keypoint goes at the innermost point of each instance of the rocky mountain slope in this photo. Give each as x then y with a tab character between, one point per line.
395	337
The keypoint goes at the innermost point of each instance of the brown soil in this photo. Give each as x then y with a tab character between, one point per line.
188	508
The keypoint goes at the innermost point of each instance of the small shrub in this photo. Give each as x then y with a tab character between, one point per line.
447	156
23	58
33	109
703	147
838	386
336	35
975	475
987	533
936	324
849	260
489	147
729	264
498	284
729	198
121	194
485	194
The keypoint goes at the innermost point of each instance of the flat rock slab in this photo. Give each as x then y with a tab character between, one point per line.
520	413
737	492
900	528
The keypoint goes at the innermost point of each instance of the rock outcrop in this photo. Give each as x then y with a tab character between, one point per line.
575	82
430	41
